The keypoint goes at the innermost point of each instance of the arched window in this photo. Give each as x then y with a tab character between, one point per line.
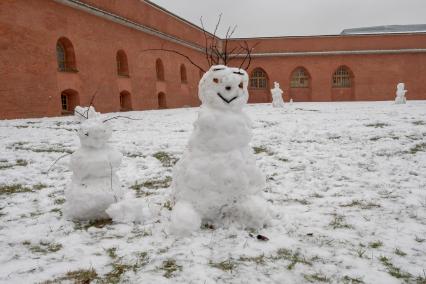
183	77
162	104
159	69
122	65
65	55
259	79
69	100
342	78
125	101
300	78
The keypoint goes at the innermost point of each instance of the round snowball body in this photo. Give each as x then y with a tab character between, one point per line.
217	174
94	184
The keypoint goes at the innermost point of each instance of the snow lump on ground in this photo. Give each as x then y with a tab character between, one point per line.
345	183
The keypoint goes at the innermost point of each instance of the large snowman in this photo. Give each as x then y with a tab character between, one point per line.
277	95
216	182
95	184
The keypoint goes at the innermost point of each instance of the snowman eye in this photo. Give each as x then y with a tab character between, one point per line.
240	85
216	80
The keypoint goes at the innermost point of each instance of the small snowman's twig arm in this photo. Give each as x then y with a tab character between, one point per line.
79	113
57	160
120	116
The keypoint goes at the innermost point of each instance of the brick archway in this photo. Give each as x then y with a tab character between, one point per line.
69	100
300	85
125	101
162	102
343	84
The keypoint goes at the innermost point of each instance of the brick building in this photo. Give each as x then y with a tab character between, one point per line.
55	54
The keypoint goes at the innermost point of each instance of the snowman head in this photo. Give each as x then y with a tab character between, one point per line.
224	88
400	87
93	131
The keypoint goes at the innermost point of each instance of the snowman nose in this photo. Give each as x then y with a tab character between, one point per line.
228	88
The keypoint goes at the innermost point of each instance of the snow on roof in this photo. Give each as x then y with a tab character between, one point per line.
387	29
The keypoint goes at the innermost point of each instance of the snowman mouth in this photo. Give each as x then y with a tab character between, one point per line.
225	100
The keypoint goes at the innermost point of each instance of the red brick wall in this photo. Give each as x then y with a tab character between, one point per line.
375	76
31	85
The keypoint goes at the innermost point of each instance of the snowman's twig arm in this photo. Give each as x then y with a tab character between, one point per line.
177	52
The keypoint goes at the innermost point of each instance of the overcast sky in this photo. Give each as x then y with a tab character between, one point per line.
298	17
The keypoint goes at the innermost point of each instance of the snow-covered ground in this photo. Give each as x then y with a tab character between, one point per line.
346	183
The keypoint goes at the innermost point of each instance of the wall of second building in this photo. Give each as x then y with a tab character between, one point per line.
375	76
385	61
31	85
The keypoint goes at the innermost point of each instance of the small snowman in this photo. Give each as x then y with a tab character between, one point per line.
94	185
277	98
217	182
400	94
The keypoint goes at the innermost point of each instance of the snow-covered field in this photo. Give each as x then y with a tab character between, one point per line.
346	183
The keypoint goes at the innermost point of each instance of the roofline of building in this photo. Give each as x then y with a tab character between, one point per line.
328	36
177	17
128	23
336	52
77	4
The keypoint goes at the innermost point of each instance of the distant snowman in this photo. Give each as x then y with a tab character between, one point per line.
94	185
400	94
277	98
216	182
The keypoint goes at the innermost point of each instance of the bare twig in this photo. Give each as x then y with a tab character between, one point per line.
248	51
120	116
79	113
57	160
91	102
206	42
177	52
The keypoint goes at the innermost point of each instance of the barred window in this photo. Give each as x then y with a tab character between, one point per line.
64	102
300	78
60	55
258	79
65	55
69	100
342	78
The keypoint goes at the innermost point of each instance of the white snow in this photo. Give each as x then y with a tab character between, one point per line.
217	176
345	183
